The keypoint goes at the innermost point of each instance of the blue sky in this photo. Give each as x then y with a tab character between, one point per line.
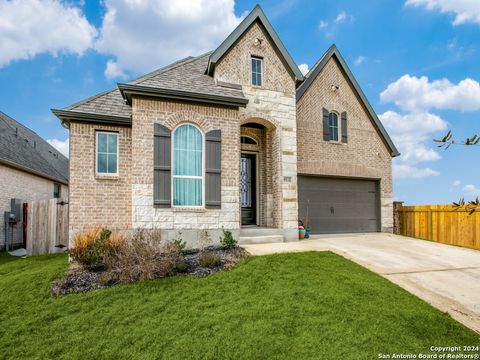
418	61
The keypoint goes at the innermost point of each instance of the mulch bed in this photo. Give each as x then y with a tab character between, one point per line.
79	279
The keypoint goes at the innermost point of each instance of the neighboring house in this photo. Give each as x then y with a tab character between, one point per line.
30	169
235	138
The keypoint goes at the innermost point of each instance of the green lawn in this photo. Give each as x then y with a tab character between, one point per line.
289	306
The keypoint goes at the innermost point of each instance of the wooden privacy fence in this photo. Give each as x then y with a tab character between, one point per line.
46	226
440	223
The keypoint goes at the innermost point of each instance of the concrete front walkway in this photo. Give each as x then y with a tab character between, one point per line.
447	277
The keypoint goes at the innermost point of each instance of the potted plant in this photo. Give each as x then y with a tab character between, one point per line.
301	232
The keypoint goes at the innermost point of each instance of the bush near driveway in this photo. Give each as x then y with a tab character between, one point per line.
287	306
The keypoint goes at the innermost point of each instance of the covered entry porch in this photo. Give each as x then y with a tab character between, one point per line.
262	183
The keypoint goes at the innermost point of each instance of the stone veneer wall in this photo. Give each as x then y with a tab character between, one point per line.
98	200
365	155
273	105
22	185
145	113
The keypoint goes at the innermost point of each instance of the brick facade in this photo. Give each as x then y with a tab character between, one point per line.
22	185
363	156
99	200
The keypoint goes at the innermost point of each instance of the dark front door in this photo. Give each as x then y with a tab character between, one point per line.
248	191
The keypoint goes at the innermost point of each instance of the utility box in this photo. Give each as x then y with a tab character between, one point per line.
16	209
9	218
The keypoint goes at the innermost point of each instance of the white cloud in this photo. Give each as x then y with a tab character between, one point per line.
403	171
32	27
303	68
411	133
360	60
418	124
457	183
342	16
471	190
411	93
113	71
142	35
322	24
466	11
60	145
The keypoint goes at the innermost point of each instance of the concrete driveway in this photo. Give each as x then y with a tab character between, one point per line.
447	277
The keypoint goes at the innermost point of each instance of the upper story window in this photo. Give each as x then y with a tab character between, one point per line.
107	153
333	126
188	179
257	71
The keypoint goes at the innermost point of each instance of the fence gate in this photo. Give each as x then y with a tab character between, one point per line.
47	226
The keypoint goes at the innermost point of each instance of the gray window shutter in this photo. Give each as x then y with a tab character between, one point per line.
344	127
162	150
213	169
326	123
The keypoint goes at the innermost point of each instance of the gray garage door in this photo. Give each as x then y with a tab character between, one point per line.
338	205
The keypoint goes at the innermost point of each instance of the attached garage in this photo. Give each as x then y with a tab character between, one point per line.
339	205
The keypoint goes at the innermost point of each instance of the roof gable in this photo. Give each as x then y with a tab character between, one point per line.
256	14
333	52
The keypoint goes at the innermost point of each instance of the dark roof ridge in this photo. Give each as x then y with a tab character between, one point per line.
171	66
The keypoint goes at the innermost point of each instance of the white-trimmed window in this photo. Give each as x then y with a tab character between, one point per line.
257	71
188	166
107	153
333	127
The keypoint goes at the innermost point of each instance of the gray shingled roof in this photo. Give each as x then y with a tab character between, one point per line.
187	74
20	146
109	102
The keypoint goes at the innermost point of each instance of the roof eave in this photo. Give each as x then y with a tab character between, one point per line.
256	14
31	171
66	116
312	75
128	91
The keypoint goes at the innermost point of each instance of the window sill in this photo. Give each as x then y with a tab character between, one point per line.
189	209
336	142
107	177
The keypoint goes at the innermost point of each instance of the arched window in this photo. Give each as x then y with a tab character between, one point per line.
187	166
333	126
247	140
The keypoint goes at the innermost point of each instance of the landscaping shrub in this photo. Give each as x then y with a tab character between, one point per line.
143	256
209	259
180	243
227	241
90	246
